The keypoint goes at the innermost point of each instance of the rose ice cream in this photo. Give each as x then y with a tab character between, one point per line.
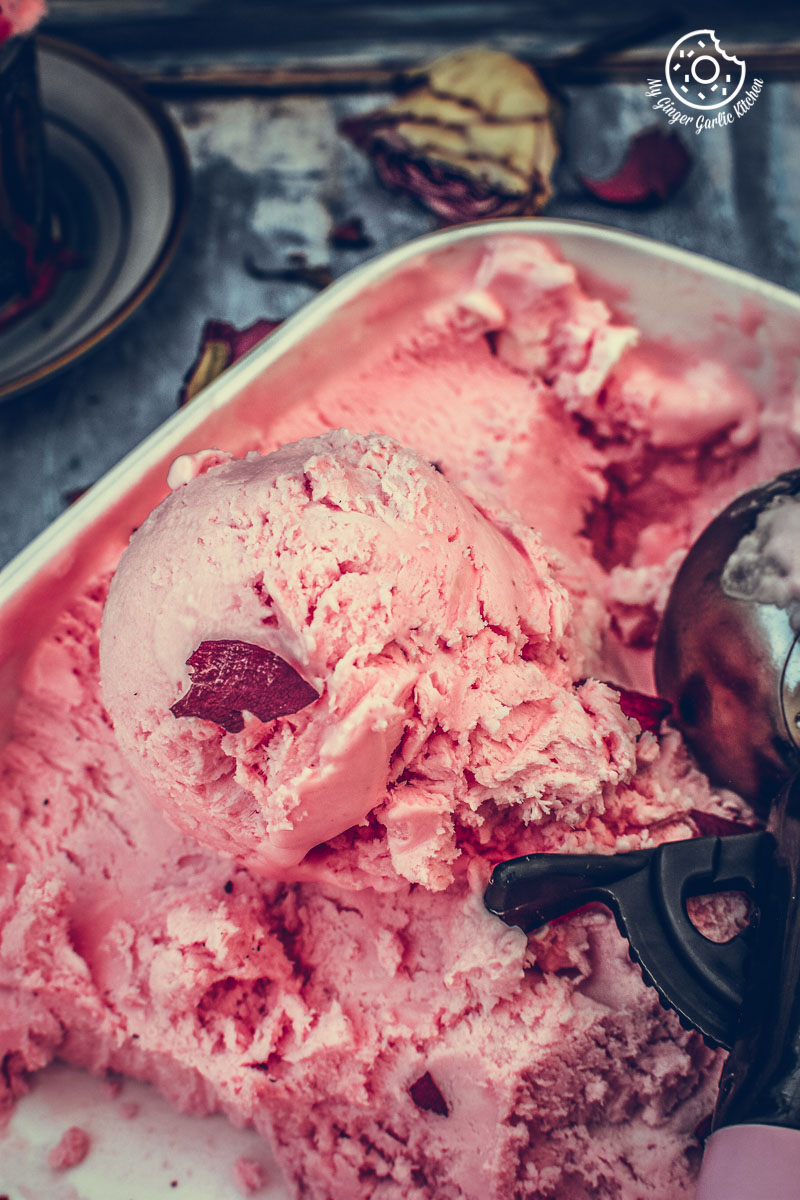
384	1032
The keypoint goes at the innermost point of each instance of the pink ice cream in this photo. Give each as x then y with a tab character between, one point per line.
308	950
434	633
765	566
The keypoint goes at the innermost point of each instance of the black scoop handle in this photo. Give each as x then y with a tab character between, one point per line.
647	890
761	1080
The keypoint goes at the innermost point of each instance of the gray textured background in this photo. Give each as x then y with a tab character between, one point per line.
272	175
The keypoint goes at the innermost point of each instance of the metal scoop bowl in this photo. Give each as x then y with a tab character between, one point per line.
730	666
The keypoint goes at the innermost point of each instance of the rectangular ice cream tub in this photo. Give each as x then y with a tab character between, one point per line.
684	303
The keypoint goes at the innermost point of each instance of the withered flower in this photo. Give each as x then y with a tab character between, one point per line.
473	137
220	345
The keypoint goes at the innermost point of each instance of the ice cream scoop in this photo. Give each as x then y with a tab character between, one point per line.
727	659
727	656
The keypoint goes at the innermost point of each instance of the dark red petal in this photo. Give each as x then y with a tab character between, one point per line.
220	345
360	130
649	711
229	678
710	825
350	235
450	194
655	164
427	1096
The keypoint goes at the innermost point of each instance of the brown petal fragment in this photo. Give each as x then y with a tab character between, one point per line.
220	345
229	678
649	711
655	164
473	138
427	1096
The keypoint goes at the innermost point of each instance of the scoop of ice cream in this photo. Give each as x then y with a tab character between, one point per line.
422	640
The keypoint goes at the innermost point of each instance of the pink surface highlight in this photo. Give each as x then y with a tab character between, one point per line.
751	1162
249	1176
308	986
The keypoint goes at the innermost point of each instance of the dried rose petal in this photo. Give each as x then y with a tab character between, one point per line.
297	270
231	677
655	164
220	345
649	711
350	235
473	138
710	825
427	1096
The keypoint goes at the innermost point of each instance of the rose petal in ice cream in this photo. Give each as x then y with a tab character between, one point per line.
231	677
649	711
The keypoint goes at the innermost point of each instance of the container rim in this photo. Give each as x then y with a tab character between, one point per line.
56	536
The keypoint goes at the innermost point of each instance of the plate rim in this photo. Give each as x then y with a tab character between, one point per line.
181	173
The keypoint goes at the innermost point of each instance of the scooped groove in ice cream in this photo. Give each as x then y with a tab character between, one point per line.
430	639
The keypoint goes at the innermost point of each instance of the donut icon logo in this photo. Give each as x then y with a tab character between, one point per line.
700	74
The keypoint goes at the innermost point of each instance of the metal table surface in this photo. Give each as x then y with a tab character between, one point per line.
272	175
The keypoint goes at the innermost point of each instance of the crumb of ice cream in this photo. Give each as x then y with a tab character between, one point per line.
71	1150
250	1176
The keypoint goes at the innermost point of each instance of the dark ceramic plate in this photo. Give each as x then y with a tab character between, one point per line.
119	178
